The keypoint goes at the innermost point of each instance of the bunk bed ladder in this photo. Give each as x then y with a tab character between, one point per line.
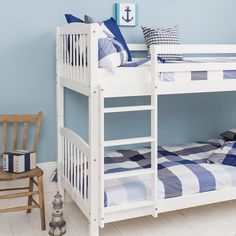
152	171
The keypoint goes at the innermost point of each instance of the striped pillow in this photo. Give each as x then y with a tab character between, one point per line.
169	36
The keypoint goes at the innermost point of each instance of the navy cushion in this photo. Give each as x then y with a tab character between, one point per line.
114	28
72	19
229	135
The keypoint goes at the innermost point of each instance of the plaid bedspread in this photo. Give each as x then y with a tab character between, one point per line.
181	170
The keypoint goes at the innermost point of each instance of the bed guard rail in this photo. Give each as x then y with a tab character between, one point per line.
75	168
203	50
77	53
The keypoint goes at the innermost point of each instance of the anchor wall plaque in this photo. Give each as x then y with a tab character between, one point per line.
126	14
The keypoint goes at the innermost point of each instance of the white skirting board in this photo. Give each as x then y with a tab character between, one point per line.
50	188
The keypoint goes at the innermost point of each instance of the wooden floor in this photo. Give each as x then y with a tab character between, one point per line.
218	219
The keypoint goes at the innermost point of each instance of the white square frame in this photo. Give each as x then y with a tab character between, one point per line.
126	14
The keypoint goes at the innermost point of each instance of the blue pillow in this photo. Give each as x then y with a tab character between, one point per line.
72	19
114	28
110	24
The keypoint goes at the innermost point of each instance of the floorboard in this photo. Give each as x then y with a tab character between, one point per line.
216	219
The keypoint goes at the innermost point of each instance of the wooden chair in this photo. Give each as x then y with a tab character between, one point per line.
18	121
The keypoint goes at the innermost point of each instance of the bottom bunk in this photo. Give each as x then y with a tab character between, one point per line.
186	178
182	170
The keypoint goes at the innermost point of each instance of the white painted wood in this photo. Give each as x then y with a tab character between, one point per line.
75	86
118	142
77	69
128	206
75	139
196	49
154	130
60	110
137	47
76	197
93	191
101	156
125	174
193	200
196	87
93	170
211	66
128	109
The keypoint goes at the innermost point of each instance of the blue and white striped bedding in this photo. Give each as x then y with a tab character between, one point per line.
182	170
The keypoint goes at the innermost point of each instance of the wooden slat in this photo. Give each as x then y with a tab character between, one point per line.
36	203
21	208
18	118
25	135
5	125
16	195
14	147
37	130
30	198
35	182
12	189
41	202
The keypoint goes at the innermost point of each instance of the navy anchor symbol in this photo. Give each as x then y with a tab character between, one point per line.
127	10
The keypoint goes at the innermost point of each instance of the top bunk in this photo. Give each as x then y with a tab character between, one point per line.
77	67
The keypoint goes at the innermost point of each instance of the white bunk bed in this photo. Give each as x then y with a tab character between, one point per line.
81	164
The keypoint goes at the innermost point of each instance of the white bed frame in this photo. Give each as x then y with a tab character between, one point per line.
98	84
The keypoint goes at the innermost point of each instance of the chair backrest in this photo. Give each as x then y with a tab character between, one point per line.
17	122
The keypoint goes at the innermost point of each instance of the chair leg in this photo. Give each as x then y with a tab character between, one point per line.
31	186
41	202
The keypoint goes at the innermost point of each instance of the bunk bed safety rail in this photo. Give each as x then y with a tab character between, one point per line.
75	167
193	49
77	52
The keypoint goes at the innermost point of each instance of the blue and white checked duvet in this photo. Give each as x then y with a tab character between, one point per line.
182	170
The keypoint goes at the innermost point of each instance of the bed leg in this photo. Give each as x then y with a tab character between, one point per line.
93	229
155	213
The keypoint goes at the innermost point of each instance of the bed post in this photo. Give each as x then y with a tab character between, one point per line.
93	194
60	113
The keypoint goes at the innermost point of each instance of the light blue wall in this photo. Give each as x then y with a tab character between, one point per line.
27	65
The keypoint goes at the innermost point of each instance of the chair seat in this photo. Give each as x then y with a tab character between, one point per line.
6	176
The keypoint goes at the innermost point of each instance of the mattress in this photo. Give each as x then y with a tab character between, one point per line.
182	170
191	75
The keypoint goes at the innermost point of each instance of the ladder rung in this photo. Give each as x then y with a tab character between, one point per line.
130	173
128	109
127	206
128	141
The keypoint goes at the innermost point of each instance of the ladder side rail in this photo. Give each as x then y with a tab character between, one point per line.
101	155
154	127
